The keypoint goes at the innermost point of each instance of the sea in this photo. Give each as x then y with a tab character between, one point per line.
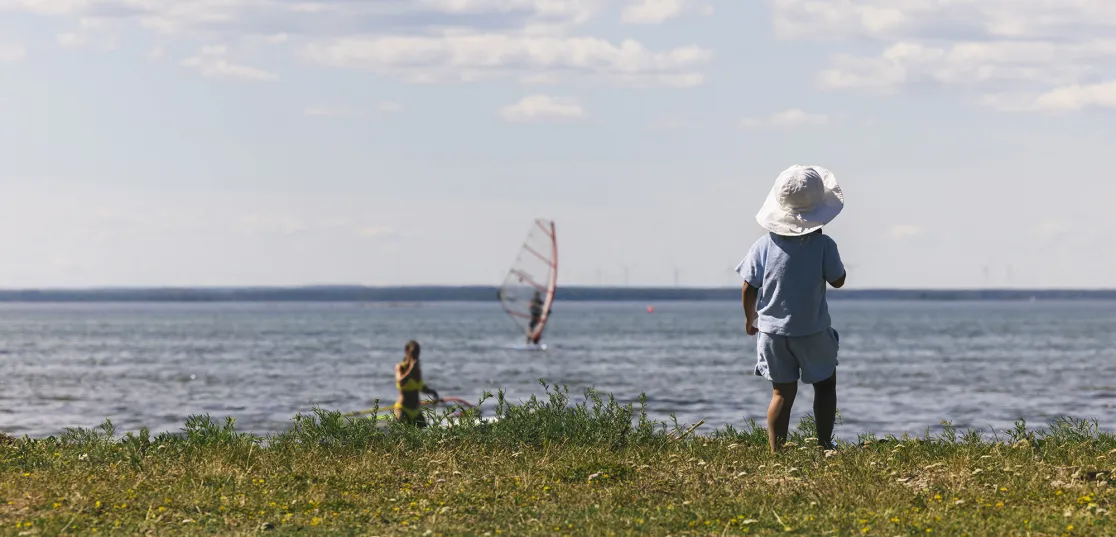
905	366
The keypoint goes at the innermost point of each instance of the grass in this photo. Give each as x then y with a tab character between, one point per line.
549	467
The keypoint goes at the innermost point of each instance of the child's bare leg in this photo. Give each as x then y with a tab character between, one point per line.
825	409
779	413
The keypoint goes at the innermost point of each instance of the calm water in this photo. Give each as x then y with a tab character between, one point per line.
904	365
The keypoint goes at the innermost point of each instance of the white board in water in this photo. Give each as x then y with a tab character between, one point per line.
541	347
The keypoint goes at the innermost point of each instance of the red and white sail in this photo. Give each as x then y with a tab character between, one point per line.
535	270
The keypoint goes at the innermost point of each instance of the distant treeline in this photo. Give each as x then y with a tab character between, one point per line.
487	293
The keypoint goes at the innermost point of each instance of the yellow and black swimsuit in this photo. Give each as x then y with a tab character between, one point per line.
410	385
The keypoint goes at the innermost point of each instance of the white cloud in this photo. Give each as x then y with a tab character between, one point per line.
1064	99
91	33
530	41
658	11
212	62
542	108
88	39
1017	54
347	111
555	11
1078	97
900	232
787	119
936	19
473	57
969	64
12	53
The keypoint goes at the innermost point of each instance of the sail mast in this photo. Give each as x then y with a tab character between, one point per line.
553	284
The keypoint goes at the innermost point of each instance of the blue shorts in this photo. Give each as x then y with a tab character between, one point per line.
785	359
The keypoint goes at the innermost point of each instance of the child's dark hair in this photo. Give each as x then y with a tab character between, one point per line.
412	350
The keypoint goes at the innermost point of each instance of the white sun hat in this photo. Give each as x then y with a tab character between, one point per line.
804	199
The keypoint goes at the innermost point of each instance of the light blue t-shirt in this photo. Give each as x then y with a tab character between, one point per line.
791	274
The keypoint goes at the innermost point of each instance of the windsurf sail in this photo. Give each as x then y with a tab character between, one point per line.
528	290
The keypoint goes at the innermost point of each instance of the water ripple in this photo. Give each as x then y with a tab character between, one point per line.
905	366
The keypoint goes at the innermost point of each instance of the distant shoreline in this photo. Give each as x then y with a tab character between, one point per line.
488	294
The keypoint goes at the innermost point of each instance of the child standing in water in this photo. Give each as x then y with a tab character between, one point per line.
785	276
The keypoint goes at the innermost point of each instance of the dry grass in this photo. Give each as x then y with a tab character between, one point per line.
551	468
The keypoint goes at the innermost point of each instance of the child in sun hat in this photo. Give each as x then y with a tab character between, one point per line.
785	276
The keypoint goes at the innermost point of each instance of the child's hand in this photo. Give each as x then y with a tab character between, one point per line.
751	327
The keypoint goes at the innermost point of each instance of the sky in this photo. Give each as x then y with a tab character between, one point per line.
389	142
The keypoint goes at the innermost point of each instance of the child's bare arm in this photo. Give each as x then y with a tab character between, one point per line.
833	269
748	296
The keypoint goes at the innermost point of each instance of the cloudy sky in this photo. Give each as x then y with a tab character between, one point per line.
262	142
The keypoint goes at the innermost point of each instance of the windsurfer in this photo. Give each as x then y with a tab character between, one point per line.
536	317
408	378
527	293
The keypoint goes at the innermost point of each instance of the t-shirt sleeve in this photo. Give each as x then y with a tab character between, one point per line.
751	268
832	266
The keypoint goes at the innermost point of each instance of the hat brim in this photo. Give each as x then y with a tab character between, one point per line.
774	218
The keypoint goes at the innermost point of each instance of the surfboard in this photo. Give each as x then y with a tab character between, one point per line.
538	348
388	412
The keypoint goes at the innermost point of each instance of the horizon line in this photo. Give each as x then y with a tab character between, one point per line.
488	293
664	287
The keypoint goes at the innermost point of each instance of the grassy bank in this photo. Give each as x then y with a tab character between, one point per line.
596	468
